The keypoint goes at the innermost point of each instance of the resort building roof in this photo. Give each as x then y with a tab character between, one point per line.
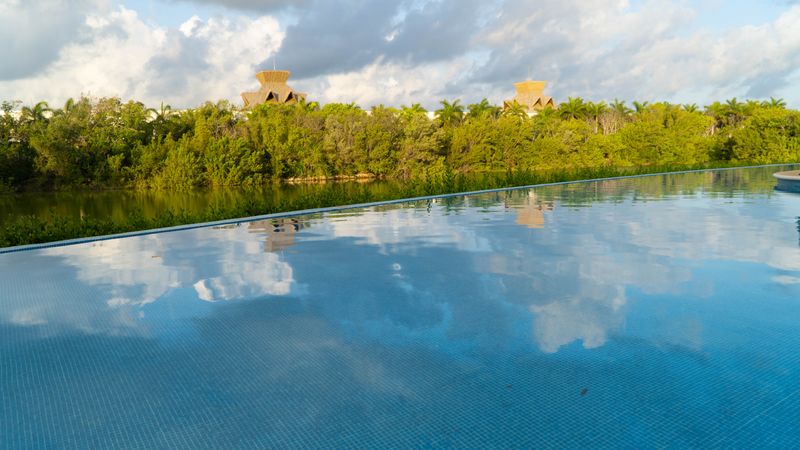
273	90
530	95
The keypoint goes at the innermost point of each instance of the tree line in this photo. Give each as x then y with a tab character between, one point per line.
106	142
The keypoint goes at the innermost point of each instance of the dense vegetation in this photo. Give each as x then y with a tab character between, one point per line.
108	143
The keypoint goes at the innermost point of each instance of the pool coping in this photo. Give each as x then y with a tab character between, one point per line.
789	175
328	209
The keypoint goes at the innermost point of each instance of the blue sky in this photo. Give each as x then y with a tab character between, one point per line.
184	52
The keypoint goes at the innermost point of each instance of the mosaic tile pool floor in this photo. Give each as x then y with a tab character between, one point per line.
651	312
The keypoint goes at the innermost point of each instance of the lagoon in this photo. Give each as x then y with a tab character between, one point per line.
642	312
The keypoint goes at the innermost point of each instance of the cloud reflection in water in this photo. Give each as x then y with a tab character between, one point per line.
467	273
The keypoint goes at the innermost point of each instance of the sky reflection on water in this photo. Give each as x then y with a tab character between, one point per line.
666	297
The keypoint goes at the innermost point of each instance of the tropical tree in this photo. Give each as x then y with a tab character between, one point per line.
690	107
774	103
483	109
159	119
621	108
734	112
407	112
162	113
573	108
37	113
594	111
640	107
514	109
451	113
8	106
69	105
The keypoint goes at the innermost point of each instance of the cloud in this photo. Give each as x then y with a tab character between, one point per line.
365	31
317	45
392	229
600	50
33	33
391	84
588	318
398	52
111	283
251	5
119	54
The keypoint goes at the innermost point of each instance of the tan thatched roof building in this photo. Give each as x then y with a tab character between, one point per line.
530	95
273	90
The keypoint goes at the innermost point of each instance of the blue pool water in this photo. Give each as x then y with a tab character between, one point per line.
648	312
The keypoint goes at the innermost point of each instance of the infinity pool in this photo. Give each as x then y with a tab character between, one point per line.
647	312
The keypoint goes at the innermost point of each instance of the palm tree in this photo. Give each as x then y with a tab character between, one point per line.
160	116
621	108
514	109
640	107
478	109
450	113
547	114
691	107
670	113
484	109
36	114
775	103
410	111
595	110
407	113
733	105
163	113
380	107
714	109
734	111
717	111
69	105
573	108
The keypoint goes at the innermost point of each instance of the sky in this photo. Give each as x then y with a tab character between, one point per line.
184	52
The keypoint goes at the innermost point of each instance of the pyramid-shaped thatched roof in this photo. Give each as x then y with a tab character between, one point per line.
530	95
273	90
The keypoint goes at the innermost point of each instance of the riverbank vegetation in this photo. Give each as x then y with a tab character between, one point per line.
107	143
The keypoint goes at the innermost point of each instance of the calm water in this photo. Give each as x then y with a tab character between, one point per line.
120	204
652	312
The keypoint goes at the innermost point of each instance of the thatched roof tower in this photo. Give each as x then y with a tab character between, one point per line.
273	90
530	95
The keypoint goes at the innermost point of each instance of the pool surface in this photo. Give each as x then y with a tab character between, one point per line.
650	312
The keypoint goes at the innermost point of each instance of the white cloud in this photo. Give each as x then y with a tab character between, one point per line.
121	55
401	226
786	280
588	318
391	84
110	283
33	33
600	50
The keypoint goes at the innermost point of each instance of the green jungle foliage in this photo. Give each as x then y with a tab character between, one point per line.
107	143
